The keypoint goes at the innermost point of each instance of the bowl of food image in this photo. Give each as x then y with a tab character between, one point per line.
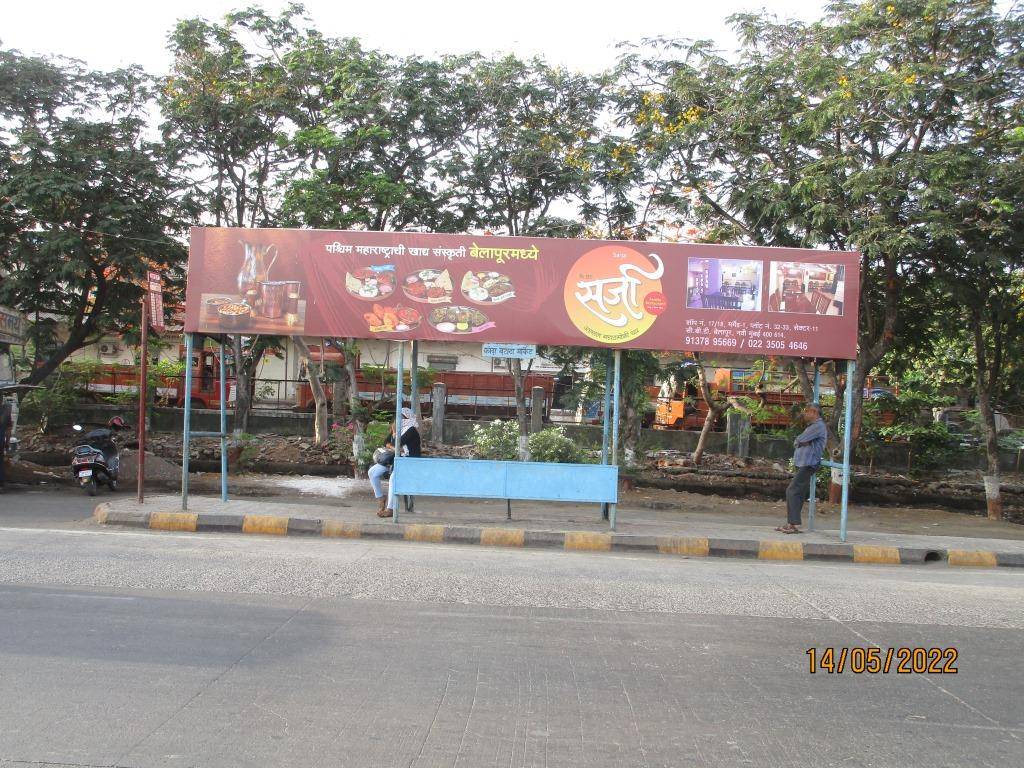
429	286
458	320
371	283
487	287
234	314
396	319
214	303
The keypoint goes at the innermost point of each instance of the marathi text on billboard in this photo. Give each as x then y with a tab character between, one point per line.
638	295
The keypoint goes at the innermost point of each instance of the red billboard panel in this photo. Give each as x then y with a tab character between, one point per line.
155	294
599	293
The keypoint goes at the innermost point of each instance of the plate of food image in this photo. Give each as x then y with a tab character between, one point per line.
459	320
430	286
487	287
371	283
234	314
396	319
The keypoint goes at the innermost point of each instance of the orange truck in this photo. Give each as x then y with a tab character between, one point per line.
118	379
466	392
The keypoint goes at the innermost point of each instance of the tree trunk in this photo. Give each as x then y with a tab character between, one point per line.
714	410
986	379
516	366
243	388
320	431
631	425
354	409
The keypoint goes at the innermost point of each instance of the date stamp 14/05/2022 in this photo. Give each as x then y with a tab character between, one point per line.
873	660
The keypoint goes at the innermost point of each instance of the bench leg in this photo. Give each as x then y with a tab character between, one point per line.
508	503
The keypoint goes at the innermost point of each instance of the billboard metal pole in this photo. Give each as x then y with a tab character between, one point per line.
140	468
615	425
223	426
813	500
414	379
606	414
400	375
187	431
851	368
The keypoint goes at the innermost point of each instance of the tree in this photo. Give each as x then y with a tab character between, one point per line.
822	134
88	203
226	105
527	145
372	137
314	375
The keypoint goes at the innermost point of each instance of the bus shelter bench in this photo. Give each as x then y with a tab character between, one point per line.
519	480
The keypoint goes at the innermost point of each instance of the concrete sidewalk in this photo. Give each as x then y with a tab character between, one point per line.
671	523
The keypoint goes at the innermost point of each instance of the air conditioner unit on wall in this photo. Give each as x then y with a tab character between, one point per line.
109	349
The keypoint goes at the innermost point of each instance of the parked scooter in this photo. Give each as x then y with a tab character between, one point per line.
97	459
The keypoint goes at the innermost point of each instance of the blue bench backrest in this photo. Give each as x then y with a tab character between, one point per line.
529	480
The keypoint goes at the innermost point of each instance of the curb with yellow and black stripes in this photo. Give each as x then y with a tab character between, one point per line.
578	541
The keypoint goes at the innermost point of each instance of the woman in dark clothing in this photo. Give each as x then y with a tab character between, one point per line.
409	444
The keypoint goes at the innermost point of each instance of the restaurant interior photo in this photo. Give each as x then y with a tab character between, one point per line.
807	289
724	284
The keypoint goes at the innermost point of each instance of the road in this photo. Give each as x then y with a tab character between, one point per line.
124	648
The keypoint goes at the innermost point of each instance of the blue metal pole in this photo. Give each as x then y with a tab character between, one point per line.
615	425
186	434
851	368
606	410
399	385
606	415
223	426
813	500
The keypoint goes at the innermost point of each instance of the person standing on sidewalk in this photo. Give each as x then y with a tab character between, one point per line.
809	448
6	426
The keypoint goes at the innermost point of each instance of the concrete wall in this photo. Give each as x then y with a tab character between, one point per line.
459	432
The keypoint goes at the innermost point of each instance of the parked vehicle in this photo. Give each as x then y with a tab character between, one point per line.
96	460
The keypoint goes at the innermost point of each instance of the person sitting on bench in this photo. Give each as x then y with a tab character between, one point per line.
409	444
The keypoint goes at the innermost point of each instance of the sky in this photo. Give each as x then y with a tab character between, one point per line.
578	34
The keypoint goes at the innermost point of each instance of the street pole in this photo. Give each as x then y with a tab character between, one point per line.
813	500
616	397
186	436
140	467
399	374
851	369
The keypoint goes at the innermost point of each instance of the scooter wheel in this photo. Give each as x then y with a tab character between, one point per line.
90	487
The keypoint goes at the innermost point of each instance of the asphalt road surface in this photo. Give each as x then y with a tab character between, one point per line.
123	648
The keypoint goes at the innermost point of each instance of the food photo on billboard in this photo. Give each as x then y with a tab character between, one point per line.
263	295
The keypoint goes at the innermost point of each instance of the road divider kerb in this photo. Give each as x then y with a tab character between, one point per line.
172	521
863	553
972	558
570	541
780	550
271	525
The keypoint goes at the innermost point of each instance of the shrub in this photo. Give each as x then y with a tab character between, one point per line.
553	444
374	435
496	440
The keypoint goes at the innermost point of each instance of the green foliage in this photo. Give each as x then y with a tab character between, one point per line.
552	444
496	440
931	445
499	439
88	201
55	403
375	434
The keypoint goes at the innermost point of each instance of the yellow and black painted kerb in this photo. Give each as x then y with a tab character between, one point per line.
569	541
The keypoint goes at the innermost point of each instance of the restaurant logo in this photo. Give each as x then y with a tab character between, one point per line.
613	293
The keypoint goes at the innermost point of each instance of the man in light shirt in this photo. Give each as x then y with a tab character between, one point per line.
809	447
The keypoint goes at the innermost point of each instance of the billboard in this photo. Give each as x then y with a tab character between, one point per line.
531	290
